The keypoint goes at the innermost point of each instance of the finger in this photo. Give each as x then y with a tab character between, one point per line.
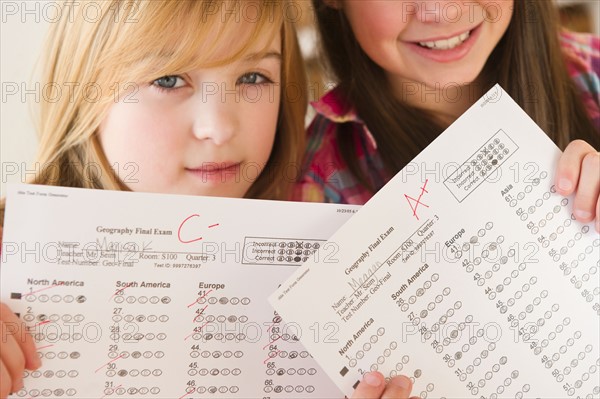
569	166
598	215
5	381
397	388
17	328
371	386
588	188
12	358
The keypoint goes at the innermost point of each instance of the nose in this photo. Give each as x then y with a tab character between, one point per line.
214	116
439	11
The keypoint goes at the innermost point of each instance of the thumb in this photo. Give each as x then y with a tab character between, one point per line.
397	388
371	386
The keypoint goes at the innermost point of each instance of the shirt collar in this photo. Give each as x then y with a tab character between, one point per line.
333	107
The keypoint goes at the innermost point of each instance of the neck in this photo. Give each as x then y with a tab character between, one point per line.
446	103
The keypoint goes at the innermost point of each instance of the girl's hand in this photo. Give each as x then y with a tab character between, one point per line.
373	386
17	352
579	171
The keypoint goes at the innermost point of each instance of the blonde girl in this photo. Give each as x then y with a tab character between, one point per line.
202	97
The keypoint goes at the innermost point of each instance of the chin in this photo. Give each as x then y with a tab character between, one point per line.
459	79
227	193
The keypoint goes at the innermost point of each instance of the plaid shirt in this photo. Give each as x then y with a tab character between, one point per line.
327	177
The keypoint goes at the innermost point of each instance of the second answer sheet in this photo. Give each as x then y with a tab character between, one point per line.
466	272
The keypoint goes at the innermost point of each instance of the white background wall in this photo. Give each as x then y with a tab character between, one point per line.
21	37
22	30
593	6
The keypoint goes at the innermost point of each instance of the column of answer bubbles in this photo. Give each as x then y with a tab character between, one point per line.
290	369
559	353
139	320
561	237
526	308
414	376
527	206
495	268
207	317
521	322
494	378
503	273
383	352
468	371
53	328
463	249
216	328
405	305
584	251
443	333
518	296
465	351
53	334
366	348
422	315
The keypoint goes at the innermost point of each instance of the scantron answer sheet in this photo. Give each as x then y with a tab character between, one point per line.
132	295
467	273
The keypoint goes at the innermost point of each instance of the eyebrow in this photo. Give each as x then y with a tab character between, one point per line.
252	57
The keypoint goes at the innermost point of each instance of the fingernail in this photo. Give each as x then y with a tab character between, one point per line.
565	184
372	379
579	214
401	382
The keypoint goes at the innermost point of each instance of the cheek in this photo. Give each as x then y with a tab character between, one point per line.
131	135
261	126
498	12
373	21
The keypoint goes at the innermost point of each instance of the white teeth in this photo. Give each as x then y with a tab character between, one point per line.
446	44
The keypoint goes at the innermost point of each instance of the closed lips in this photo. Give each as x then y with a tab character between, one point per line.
215	166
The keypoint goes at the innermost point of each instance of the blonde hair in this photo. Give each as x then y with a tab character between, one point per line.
132	41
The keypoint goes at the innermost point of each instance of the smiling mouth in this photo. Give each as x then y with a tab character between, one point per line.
446	44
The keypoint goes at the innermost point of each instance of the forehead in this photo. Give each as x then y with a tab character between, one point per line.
238	40
193	37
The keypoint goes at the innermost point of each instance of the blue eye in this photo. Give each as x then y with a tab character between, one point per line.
167	82
252	78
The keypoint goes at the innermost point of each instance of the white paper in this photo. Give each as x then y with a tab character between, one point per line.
474	285
134	295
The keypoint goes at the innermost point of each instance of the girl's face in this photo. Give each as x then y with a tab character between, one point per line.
435	43
205	132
